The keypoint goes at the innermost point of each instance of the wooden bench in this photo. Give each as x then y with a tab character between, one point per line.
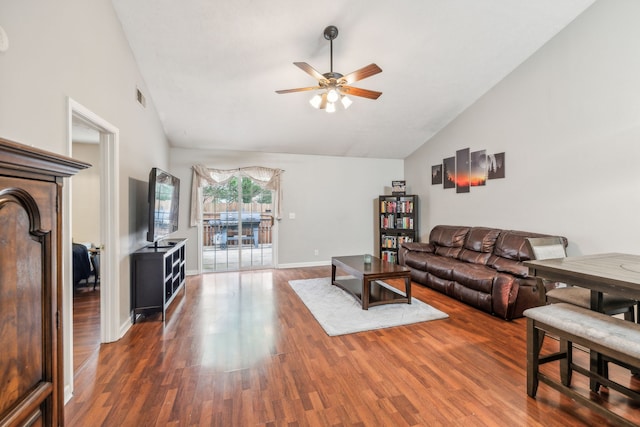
611	337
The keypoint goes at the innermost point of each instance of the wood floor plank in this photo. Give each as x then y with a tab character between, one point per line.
86	325
241	349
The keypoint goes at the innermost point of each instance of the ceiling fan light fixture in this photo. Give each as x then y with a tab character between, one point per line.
346	101
316	101
331	107
332	95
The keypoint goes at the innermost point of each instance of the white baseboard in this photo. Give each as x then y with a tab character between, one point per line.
305	264
124	328
68	394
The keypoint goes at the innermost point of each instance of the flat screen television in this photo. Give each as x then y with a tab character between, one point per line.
164	200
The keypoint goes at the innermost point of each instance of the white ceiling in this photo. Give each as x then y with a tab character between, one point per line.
212	66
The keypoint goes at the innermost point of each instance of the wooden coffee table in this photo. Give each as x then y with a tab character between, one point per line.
364	286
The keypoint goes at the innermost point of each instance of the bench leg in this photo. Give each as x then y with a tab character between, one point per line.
566	347
534	343
598	365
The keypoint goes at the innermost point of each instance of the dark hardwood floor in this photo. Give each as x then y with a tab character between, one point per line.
86	325
240	349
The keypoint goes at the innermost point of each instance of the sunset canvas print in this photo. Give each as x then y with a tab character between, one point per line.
449	172
463	171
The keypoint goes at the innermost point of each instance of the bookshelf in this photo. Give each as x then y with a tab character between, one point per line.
398	224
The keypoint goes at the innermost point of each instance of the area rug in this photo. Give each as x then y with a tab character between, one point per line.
340	313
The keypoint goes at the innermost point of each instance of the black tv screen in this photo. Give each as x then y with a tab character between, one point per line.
164	199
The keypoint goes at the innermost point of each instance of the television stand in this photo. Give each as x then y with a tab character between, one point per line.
158	273
163	244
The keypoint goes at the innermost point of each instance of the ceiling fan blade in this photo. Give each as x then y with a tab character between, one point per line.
310	70
300	89
323	103
356	91
362	73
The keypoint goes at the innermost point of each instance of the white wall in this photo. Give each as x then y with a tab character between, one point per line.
76	49
569	121
85	210
333	198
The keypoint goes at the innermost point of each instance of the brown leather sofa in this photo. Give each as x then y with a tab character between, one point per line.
480	266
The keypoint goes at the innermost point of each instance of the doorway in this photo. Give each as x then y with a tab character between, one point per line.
108	206
86	242
237	226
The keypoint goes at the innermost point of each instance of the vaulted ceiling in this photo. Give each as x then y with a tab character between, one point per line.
212	67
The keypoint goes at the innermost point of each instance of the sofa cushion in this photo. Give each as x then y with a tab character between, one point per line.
473	257
440	285
418	247
474	276
417	260
442	266
447	252
508	266
481	239
451	236
472	297
512	244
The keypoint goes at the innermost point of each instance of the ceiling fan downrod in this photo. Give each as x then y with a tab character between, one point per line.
330	33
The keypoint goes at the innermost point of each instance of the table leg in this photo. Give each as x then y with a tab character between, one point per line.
596	362
333	274
366	292
407	288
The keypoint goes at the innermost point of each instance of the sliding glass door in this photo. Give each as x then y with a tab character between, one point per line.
237	226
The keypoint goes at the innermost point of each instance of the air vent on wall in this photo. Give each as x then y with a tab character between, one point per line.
140	97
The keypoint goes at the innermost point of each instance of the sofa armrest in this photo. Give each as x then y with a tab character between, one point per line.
418	247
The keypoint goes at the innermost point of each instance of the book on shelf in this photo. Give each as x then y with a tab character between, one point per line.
393	206
404	239
405	223
389	256
394	242
387	221
389	242
388	206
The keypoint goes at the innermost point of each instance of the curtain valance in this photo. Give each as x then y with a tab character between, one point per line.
267	178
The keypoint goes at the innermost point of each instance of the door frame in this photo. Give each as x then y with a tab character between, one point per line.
109	231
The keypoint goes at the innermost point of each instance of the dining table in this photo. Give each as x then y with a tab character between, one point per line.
611	273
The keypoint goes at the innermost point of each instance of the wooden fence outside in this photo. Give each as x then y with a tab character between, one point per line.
212	212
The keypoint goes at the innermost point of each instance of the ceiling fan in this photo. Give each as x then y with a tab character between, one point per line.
335	86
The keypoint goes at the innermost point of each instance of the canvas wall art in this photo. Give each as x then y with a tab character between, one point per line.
463	171
478	168
468	169
449	172
496	166
436	174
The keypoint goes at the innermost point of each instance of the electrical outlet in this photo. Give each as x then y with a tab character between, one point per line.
316	252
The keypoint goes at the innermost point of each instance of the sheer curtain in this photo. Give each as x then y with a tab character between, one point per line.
265	177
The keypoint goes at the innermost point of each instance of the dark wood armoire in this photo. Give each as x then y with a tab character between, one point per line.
31	375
